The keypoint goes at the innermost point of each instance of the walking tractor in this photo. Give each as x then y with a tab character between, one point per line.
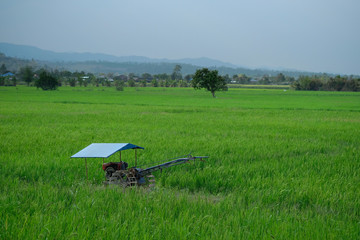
118	172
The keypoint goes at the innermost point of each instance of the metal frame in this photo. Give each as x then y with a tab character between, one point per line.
86	167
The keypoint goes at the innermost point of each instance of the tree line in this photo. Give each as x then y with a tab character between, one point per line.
35	77
326	83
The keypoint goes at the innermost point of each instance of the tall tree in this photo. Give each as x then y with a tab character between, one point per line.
210	80
280	78
176	75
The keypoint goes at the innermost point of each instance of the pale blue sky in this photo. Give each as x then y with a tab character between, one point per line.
312	35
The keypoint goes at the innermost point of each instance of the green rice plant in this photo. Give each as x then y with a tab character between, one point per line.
283	164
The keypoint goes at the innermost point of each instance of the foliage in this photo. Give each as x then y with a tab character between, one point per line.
337	83
241	78
119	85
280	78
143	83
210	80
14	81
176	74
154	83
107	83
27	74
47	81
3	69
131	83
146	76
72	82
183	83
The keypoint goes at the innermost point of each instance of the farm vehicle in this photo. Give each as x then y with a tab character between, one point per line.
119	173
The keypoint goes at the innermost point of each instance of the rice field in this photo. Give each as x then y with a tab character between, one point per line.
283	164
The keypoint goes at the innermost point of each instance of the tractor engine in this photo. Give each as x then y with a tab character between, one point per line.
112	167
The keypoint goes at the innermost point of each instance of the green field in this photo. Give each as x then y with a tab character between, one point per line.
283	164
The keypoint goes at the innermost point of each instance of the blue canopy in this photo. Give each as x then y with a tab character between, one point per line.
103	150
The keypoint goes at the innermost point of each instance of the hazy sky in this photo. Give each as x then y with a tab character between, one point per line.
312	35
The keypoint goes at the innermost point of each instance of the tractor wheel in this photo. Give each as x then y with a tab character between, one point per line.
123	178
131	179
109	172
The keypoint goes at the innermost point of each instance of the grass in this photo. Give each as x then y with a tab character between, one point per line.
283	164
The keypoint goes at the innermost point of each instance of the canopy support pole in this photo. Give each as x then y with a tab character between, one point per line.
135	158
87	178
101	166
120	155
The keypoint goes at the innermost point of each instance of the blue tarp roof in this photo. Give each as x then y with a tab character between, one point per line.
7	74
103	150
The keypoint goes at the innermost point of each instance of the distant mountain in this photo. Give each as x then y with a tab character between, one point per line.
29	52
17	56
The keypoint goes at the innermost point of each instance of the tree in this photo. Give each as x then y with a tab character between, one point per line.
119	85
72	82
131	83
154	83
3	69
243	79
183	83
27	74
280	78
210	80
143	83
147	76
265	80
176	75
162	76
14	80
188	78
336	84
227	78
47	82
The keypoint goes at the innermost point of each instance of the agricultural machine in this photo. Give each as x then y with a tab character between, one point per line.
118	172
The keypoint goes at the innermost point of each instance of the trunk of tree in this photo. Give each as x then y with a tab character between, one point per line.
213	94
